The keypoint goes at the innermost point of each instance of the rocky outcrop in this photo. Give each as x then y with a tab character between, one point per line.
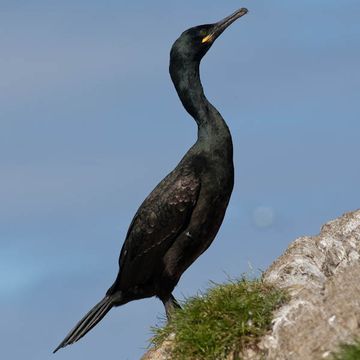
322	275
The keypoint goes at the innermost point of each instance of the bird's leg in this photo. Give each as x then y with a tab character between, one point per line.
170	304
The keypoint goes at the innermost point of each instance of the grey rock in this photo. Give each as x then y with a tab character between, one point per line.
322	275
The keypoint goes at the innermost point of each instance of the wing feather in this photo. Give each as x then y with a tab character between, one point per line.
163	215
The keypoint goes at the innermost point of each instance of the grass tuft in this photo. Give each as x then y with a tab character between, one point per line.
348	352
221	321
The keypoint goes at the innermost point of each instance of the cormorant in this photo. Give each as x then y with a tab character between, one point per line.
179	219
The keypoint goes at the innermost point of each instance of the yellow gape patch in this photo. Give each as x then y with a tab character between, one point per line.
207	38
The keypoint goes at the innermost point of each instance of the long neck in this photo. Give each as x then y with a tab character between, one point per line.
211	125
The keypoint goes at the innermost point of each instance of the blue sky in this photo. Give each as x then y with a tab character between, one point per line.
90	122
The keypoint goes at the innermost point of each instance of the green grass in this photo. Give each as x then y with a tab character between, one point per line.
348	352
221	321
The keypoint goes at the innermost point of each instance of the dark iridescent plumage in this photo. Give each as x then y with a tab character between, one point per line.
180	218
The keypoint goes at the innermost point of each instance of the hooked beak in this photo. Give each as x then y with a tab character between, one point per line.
220	26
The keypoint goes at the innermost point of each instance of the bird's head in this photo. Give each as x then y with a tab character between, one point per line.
194	43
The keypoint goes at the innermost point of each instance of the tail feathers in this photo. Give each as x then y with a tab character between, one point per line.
88	322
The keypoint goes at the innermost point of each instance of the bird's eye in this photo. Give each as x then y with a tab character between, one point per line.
203	32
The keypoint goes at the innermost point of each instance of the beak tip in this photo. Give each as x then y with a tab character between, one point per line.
244	10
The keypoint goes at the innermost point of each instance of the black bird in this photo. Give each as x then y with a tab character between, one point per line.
178	221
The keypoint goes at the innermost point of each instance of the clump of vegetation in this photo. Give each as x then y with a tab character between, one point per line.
222	321
348	352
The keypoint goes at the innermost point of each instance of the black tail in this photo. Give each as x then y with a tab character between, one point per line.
88	321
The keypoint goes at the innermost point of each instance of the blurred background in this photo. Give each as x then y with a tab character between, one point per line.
90	122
